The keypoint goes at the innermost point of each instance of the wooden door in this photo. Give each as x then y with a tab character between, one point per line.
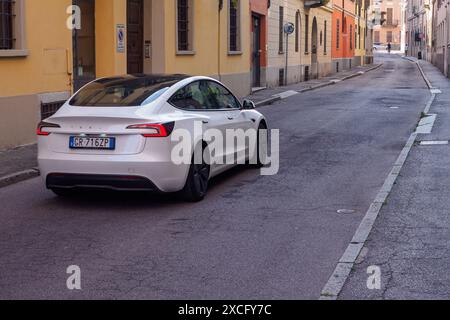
135	36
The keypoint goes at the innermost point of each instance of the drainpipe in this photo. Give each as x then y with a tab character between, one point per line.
446	41
218	40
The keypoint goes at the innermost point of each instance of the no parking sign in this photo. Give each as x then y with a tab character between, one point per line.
120	38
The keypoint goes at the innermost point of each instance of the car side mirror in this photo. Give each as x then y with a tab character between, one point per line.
248	105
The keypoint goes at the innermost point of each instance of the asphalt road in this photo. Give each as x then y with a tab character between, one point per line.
254	237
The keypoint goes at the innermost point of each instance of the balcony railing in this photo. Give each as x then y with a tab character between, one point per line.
391	23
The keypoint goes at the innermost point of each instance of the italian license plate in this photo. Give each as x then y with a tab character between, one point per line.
97	143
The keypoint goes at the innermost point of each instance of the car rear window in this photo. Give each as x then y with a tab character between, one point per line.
129	91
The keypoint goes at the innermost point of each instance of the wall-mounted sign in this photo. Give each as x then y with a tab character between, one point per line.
148	49
120	38
289	28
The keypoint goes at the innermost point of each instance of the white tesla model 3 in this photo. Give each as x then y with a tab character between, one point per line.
115	133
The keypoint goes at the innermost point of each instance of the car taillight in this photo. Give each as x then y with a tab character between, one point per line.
154	130
40	131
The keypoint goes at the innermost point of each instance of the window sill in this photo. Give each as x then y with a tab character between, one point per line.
14	53
280	52
185	53
234	53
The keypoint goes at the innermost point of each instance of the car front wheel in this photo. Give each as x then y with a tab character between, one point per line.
261	146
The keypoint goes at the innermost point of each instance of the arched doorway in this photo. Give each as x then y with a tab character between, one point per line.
314	49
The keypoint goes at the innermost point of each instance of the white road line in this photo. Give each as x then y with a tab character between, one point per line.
433	143
287	94
426	124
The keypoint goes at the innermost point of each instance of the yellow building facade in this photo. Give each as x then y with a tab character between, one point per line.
56	46
35	67
361	33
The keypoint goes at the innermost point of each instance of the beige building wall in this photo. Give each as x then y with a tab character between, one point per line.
419	22
298	62
440	36
390	31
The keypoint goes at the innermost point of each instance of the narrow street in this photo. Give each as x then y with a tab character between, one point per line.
253	237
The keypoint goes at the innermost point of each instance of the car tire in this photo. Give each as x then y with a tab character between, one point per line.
259	161
197	182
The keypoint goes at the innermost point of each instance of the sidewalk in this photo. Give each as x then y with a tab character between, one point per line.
18	164
270	95
410	240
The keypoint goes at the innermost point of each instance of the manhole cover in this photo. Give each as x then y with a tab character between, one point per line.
346	211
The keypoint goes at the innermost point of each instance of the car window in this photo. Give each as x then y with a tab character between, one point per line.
122	91
220	97
191	97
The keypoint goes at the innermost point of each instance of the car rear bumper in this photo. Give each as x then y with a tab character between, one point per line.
114	172
111	182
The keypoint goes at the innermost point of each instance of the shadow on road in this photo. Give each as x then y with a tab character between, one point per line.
113	199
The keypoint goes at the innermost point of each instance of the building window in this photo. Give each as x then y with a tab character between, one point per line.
280	31
184	25
306	33
6	25
325	37
364	37
389	36
359	37
389	16
12	29
297	31
338	29
377	37
351	37
234	25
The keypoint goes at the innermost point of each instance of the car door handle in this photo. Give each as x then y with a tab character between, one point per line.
205	121
230	118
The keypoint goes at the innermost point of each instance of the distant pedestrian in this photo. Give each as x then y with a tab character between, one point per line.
389	47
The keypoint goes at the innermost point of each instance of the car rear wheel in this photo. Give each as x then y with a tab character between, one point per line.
197	182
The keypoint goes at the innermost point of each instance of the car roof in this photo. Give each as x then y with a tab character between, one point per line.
148	79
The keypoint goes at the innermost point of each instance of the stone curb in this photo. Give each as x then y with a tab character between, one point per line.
268	101
429	85
18	177
322	85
